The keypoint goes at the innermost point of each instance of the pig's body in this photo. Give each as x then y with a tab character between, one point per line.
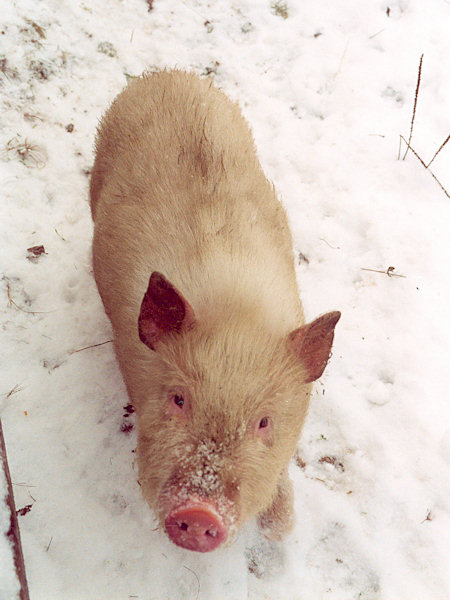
212	351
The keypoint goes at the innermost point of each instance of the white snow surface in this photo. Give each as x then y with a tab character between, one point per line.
327	90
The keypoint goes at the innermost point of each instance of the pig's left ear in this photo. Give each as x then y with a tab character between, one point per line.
163	310
312	344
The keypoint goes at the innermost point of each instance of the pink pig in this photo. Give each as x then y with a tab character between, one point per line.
194	263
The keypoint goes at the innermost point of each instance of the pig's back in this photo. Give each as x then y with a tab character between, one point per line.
177	188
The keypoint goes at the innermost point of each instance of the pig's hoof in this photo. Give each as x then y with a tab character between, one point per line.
196	527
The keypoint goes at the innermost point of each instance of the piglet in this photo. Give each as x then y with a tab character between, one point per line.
193	261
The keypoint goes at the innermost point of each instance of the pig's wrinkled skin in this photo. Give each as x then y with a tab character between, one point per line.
193	260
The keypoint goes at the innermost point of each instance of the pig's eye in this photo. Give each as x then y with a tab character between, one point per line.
178	404
264	422
264	430
178	400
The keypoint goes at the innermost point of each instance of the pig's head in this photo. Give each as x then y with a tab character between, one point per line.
223	414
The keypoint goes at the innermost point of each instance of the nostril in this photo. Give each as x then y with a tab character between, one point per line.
196	527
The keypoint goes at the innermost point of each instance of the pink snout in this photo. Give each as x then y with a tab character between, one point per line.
196	527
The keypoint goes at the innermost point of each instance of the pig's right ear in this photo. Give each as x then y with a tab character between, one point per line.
312	344
163	310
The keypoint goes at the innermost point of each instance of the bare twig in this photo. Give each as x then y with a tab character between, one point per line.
429	517
414	152
342	59
375	34
429	170
440	148
415	105
196	577
389	272
328	244
399	147
408	143
29	154
27	485
7	71
13	532
12	303
16	389
318	479
93	346
57	233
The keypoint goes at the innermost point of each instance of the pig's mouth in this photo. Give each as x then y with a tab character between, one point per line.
196	525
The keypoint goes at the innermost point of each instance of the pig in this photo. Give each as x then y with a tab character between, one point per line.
193	259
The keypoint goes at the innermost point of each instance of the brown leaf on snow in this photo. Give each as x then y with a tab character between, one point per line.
35	252
23	511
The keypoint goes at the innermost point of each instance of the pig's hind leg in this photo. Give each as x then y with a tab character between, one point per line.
278	520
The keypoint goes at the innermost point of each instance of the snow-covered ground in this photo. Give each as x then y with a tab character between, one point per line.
328	87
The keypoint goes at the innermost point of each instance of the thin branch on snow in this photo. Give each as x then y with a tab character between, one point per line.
13	532
440	148
408	143
328	244
389	272
93	346
426	167
415	106
12	303
15	390
429	517
198	580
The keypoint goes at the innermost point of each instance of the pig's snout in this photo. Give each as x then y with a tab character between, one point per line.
196	527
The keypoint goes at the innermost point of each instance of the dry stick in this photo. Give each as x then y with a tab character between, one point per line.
328	244
342	59
13	533
442	145
427	518
429	170
28	312
15	390
399	147
196	576
388	272
415	105
93	346
375	34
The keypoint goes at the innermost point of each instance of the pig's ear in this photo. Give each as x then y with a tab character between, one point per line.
163	310
312	344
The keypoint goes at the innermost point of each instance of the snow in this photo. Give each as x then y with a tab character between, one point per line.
327	91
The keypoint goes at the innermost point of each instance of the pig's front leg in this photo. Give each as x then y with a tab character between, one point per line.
277	521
